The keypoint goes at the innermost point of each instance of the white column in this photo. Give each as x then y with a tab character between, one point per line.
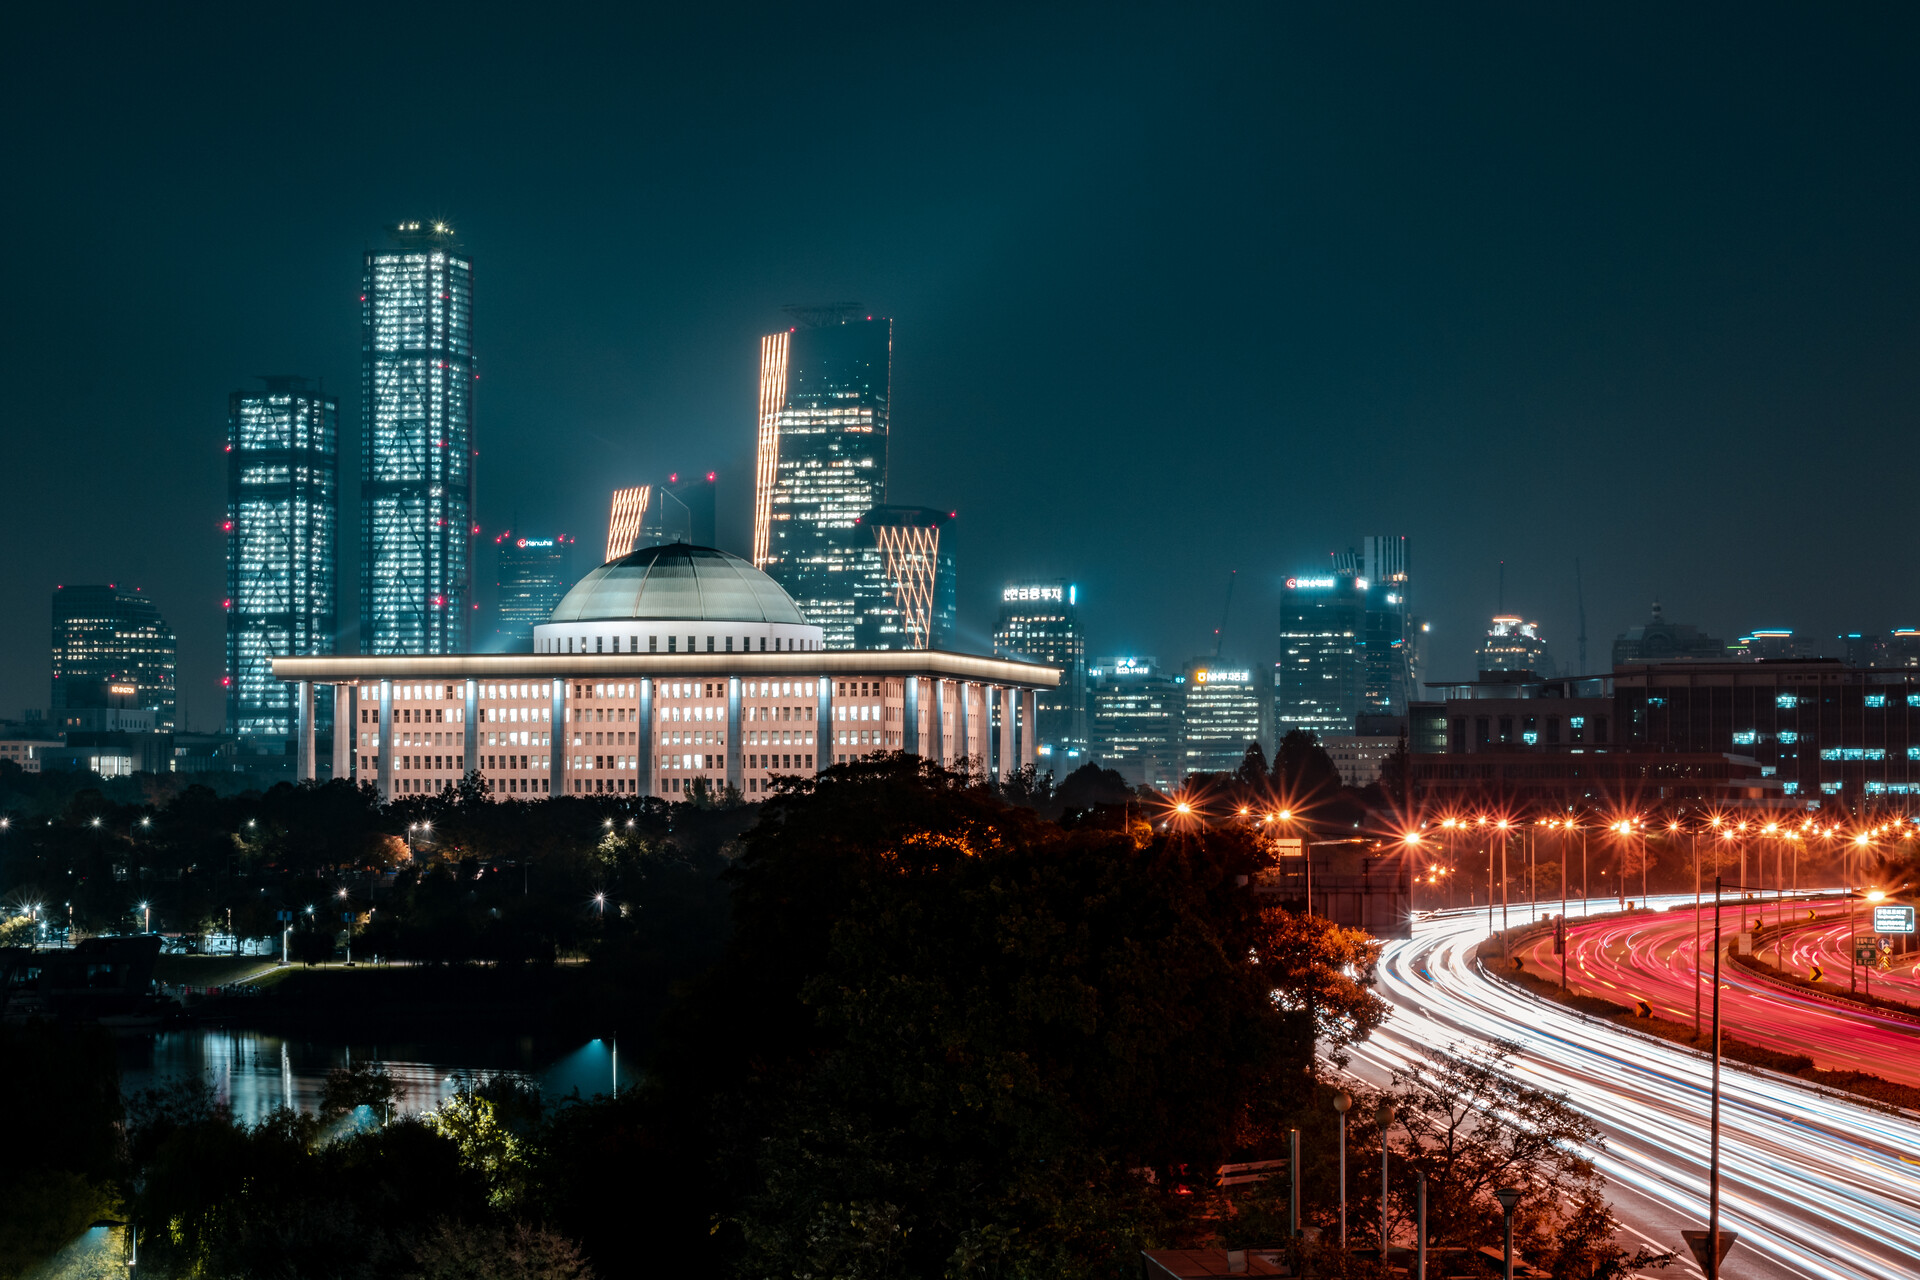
1029	743
1008	762
303	757
345	730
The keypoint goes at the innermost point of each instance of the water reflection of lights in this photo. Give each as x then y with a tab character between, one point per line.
255	1073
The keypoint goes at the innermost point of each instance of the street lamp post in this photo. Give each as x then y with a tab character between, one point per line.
1508	1198
1853	870
1383	1117
1503	875
1342	1101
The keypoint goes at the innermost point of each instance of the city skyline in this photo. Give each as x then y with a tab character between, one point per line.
1061	361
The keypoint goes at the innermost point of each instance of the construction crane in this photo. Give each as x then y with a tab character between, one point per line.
1220	632
1580	595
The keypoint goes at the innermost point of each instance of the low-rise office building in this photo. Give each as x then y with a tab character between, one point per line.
669	668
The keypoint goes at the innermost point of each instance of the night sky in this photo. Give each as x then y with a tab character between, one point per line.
1176	291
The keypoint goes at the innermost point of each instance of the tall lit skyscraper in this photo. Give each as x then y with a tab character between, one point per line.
1221	715
416	445
902	578
531	575
1381	569
1134	716
111	648
283	484
822	458
1317	681
1040	621
1513	644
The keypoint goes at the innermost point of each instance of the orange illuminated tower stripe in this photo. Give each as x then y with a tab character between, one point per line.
773	398
912	555
623	526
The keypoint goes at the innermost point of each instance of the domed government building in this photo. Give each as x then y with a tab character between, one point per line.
671	665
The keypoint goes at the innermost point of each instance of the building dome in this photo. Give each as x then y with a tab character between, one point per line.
677	593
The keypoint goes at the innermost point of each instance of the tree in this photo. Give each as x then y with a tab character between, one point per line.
1471	1127
459	1251
950	1034
1253	773
1304	775
359	1084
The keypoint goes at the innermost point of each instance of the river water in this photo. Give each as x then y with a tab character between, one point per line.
255	1073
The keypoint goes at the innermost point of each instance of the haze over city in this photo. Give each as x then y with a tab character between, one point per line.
1171	297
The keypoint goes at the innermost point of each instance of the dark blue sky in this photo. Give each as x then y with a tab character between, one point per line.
1176	291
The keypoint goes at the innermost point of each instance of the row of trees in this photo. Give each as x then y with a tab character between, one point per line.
941	1035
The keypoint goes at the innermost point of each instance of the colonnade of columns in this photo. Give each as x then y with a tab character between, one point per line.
946	721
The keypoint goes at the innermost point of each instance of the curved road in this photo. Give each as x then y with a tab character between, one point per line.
1652	956
1816	1186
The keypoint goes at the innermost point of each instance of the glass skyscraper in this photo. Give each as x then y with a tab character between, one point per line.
283	483
1040	621
1221	716
532	575
821	461
111	648
417	446
902	577
1135	715
1317	681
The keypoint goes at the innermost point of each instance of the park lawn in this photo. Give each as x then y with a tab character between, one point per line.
213	971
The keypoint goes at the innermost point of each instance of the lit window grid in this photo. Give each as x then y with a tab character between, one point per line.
280	561
416	453
1218	722
104	634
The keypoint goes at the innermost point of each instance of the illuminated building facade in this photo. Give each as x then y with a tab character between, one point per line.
1319	677
111	648
623	523
1039	621
283	488
1134	716
417	445
821	461
903	583
532	576
1388	651
1222	711
675	671
1513	644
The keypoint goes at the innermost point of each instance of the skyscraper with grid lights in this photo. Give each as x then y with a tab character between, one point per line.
822	459
111	648
283	481
417	447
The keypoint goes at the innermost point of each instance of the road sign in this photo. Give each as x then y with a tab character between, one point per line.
1697	1243
1559	935
1234	1175
1813	974
1892	919
1866	949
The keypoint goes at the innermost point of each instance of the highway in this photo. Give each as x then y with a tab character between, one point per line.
1652	956
1816	1185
